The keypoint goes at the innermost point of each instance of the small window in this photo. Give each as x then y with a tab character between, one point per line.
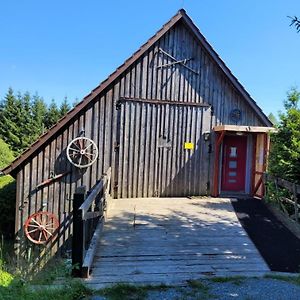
232	180
232	174
232	164
233	152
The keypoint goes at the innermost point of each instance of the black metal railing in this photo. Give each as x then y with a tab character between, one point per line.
88	219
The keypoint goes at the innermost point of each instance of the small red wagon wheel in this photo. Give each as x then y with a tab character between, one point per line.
40	227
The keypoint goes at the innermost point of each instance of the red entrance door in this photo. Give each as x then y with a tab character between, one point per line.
234	163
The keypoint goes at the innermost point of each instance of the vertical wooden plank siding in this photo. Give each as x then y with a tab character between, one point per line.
142	142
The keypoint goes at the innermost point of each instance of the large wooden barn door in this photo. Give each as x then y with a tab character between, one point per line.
159	151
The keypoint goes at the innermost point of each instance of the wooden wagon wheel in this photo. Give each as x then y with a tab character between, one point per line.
82	152
41	227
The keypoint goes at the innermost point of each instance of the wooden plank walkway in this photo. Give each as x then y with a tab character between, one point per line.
171	240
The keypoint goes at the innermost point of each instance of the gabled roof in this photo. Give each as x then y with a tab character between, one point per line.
180	16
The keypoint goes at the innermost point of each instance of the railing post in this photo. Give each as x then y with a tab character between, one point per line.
78	240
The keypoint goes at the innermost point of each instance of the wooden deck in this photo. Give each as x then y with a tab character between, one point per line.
171	240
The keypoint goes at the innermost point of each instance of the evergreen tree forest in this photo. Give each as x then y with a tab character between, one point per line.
285	144
24	117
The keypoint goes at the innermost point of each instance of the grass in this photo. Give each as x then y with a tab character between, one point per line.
291	279
237	280
197	284
198	289
19	290
124	292
75	290
56	268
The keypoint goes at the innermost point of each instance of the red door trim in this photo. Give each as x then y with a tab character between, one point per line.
219	140
253	165
260	181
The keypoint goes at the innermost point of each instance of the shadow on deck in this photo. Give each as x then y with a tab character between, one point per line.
172	240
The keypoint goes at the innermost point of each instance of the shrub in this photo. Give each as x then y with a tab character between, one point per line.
6	155
7	204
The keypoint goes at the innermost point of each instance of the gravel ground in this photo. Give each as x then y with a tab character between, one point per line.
237	289
257	289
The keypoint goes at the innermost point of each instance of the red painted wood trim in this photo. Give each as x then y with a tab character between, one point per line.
260	181
215	192
253	170
265	162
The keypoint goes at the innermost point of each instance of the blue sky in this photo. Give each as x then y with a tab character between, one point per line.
65	48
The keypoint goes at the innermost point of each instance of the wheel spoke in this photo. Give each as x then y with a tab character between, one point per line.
91	154
49	223
32	225
91	144
33	230
45	235
88	157
73	149
40	236
51	228
80	159
35	222
48	232
74	154
76	146
80	144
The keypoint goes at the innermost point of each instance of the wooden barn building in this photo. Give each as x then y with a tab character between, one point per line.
171	121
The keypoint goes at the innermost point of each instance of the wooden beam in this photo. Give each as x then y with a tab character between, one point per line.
163	102
91	197
237	128
90	254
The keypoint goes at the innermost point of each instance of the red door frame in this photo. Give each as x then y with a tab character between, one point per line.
219	136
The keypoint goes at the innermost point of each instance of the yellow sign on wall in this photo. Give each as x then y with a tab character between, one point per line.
189	146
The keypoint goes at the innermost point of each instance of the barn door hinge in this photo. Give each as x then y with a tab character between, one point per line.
209	148
207	186
118	105
116	146
116	185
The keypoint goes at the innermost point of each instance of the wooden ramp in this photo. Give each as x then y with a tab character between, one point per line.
171	240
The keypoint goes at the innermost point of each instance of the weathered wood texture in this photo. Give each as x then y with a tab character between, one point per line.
291	187
129	137
173	240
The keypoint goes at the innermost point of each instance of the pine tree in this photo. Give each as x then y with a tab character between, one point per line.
285	153
53	115
26	122
10	115
39	112
64	107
